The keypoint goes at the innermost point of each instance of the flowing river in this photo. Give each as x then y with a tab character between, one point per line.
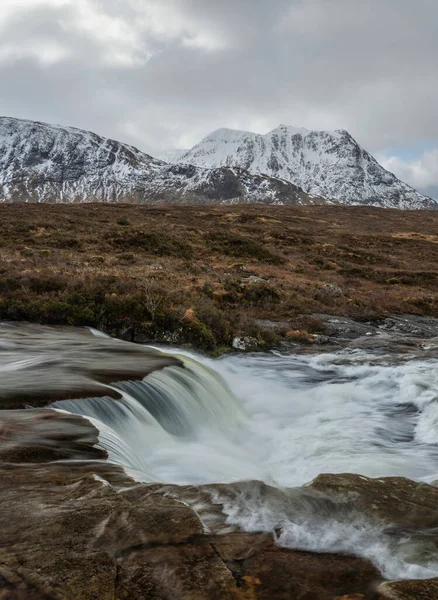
283	420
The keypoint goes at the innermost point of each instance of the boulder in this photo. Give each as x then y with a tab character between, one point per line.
245	344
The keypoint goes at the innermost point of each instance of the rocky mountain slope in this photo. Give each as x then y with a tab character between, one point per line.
330	164
46	163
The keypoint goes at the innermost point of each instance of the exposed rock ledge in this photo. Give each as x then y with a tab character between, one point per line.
83	530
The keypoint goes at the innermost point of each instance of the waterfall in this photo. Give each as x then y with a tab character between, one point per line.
170	408
264	425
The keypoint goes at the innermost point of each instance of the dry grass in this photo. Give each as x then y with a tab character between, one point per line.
136	271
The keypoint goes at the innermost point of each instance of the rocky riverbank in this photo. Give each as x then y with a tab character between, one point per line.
85	530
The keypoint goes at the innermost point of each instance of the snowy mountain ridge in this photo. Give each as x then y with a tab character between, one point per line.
329	164
52	163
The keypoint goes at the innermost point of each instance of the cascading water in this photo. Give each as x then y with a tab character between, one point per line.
297	417
164	417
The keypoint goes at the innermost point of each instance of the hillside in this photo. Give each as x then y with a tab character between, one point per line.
206	274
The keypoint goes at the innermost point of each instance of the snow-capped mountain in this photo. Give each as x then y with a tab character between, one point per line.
47	163
330	164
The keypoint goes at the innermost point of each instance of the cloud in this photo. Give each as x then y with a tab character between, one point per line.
164	73
421	173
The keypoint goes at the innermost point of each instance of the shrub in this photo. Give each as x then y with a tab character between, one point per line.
55	312
156	243
217	321
260	294
242	247
27	252
126	258
41	285
65	243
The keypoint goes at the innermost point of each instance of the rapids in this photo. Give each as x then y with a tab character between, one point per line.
279	419
283	420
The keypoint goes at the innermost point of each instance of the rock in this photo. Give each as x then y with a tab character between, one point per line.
274	326
410	590
344	328
310	576
170	337
253	279
412	325
76	364
320	339
186	571
396	501
400	333
33	436
245	344
332	289
156	267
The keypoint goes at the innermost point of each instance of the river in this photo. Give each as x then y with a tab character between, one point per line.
283	420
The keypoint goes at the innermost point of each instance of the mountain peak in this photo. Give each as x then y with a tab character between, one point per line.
328	164
290	130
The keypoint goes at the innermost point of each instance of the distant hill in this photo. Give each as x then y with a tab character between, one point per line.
48	163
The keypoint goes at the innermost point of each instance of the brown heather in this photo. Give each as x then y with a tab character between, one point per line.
144	273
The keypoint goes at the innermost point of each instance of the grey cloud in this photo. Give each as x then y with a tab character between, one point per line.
198	65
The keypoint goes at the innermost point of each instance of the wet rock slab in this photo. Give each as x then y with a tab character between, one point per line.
403	326
410	590
393	500
75	364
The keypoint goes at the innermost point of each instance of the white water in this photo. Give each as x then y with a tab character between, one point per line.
286	420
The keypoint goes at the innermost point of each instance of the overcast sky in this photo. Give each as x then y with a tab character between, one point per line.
163	73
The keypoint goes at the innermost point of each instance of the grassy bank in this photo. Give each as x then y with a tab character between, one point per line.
204	275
